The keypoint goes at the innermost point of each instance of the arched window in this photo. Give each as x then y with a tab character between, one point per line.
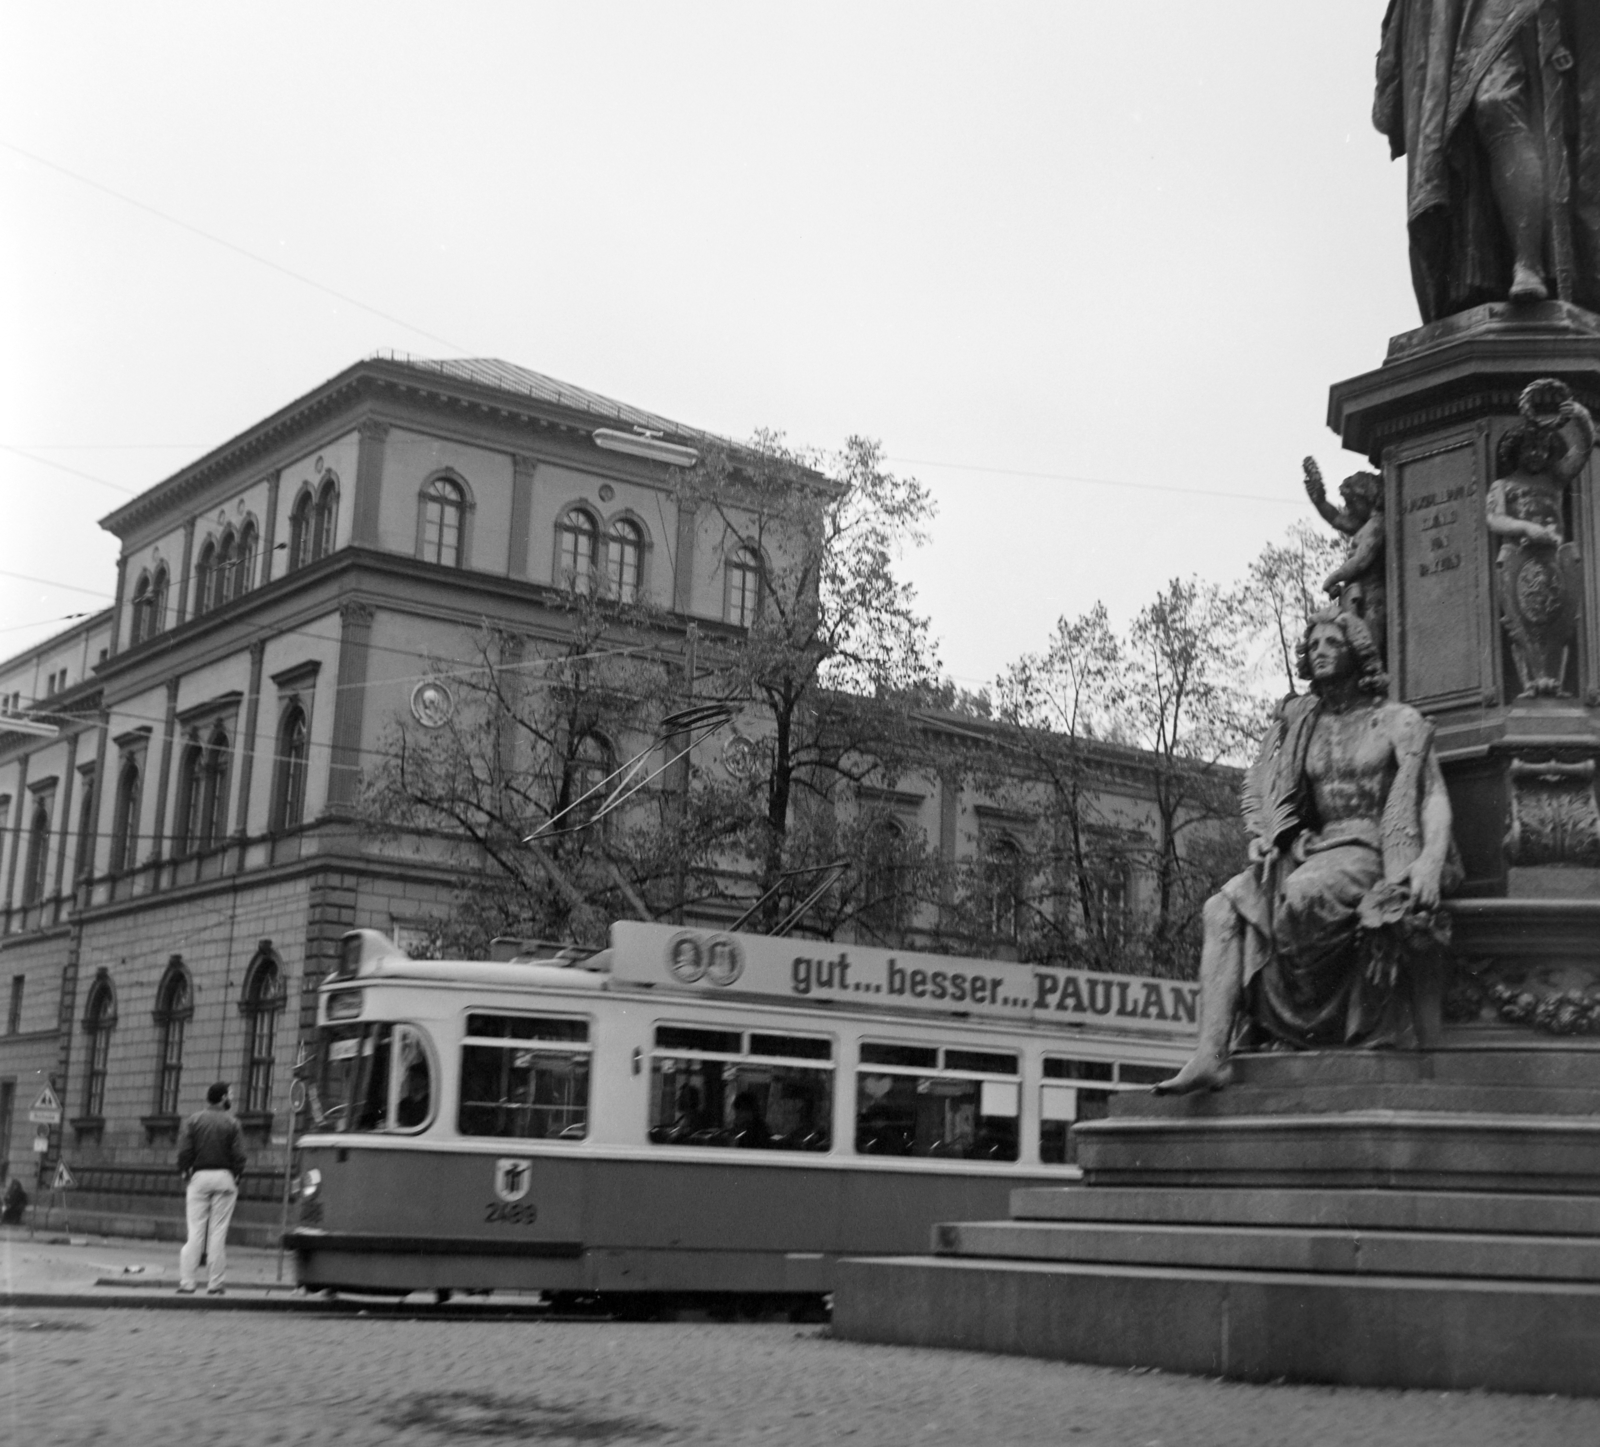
204	567
261	1003
444	508
577	550
125	826
289	791
191	798
99	1020
744	588
158	602
174	1008
244	562
141	622
1002	871
33	878
300	531
326	517
885	877
88	810
222	572
583	791
625	560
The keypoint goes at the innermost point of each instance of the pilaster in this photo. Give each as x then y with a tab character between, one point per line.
349	704
373	439
183	571
269	527
523	472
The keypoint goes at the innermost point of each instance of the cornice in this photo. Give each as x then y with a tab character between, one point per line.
369	382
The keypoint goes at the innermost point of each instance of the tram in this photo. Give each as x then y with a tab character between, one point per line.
693	1114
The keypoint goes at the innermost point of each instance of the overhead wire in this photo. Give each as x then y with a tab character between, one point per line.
232	246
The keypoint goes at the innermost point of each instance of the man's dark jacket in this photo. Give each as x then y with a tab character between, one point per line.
211	1141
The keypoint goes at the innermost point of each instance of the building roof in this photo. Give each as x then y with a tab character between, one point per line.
524	382
485	381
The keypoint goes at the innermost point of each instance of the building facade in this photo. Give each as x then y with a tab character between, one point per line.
179	775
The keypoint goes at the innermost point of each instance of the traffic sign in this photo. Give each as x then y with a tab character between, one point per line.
46	1109
63	1177
41	1141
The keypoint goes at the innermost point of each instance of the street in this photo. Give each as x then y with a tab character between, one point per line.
133	1377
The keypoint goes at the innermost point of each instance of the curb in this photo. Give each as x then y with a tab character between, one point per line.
311	1305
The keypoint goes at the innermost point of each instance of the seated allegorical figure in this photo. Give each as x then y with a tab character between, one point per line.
1350	851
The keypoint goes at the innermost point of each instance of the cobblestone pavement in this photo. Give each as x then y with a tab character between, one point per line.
134	1377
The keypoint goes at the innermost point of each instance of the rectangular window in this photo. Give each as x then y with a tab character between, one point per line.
963	1109
525	1076
708	1089
14	1010
1062	1105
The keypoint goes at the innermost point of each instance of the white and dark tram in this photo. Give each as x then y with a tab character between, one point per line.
693	1115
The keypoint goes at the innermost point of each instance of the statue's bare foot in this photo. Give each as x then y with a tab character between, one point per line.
1203	1072
1527	285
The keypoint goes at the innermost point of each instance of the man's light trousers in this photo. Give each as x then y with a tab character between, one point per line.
211	1198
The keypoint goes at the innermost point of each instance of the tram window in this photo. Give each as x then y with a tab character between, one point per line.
756	1102
714	1042
913	1113
1057	1069
988	1062
1060	1108
1130	1074
791	1047
526	1027
914	1056
530	1091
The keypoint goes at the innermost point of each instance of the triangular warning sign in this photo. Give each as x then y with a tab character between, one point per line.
63	1177
47	1100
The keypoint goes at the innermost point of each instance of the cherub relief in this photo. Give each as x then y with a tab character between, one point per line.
1358	584
1540	583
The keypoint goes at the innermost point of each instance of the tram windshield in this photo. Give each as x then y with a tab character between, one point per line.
923	1100
749	1090
375	1077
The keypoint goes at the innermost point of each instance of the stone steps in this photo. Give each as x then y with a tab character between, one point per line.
1523	1257
1330	1218
1377	1331
1369	1210
1419	1150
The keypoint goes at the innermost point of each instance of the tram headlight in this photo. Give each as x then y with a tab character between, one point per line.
310	1183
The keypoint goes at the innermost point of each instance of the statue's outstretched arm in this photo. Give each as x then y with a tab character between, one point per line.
1580	422
1334	517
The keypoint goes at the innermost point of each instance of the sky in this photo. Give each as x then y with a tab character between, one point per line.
1085	269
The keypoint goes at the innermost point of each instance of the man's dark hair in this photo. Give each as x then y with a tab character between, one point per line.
1369	664
216	1094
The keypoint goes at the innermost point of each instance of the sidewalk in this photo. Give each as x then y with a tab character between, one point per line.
86	1269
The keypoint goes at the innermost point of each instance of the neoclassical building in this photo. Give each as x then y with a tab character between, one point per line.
180	849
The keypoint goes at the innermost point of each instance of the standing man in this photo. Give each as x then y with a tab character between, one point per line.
211	1157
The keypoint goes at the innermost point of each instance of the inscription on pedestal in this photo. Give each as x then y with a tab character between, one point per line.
1438	570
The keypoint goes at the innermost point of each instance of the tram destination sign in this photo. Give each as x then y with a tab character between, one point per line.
811	971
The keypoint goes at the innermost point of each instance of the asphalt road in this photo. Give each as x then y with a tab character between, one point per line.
134	1376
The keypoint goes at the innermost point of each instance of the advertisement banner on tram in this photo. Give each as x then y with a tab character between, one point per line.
800	971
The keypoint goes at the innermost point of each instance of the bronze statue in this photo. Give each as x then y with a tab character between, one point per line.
1496	105
1350	852
1358	584
1540	578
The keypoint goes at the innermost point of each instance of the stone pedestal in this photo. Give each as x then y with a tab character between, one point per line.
1423	1219
1520	770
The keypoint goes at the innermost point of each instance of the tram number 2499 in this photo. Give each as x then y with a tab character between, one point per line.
514	1213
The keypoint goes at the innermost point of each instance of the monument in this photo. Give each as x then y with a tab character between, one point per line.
1382	1165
